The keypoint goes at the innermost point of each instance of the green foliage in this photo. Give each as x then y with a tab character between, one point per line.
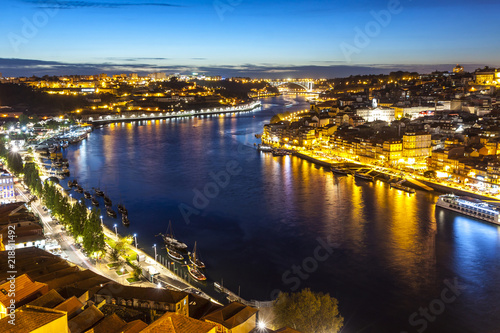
24	120
38	101
275	119
308	312
32	178
15	162
93	236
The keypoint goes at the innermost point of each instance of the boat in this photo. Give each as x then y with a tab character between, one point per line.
196	273
98	192
401	187
122	209
95	202
170	240
107	201
364	176
280	153
79	189
470	207
125	219
110	212
87	195
174	254
339	171
70	184
194	258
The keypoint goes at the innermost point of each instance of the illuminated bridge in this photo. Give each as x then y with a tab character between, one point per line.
306	84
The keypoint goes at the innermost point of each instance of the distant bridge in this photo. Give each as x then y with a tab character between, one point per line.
307	85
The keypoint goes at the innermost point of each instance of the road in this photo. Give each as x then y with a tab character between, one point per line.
70	252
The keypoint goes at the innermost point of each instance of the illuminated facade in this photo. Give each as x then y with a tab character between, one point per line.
7	192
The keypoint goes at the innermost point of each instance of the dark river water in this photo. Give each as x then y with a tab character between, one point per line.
395	262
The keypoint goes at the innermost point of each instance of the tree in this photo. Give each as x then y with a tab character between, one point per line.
93	236
15	162
275	119
24	120
308	312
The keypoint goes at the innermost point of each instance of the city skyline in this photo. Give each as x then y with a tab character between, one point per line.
247	38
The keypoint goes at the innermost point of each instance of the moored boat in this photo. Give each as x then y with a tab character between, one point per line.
364	176
196	273
95	202
79	189
170	240
87	195
125	220
401	187
470	207
107	201
174	254
98	192
194	258
110	212
122	209
339	171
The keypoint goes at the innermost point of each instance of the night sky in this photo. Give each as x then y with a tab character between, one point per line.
247	37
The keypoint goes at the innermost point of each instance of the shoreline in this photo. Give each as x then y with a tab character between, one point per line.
435	186
153	116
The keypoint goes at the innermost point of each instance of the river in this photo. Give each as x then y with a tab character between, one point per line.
264	223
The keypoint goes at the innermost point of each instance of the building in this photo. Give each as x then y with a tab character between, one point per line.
144	298
36	319
416	146
16	220
7	192
19	291
233	318
177	323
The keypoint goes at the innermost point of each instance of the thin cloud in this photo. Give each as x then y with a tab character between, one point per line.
57	4
30	67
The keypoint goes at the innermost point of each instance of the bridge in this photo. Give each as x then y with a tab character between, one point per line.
306	84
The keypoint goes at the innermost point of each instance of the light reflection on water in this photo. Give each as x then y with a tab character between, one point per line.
394	249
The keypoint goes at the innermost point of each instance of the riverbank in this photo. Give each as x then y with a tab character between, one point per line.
388	174
134	116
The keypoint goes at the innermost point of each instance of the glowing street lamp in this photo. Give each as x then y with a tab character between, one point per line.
155	250
135	240
116	231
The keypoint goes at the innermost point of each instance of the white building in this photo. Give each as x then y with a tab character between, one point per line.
379	113
7	193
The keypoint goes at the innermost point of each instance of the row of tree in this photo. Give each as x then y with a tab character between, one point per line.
84	226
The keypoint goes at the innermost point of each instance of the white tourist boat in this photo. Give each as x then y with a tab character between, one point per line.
470	207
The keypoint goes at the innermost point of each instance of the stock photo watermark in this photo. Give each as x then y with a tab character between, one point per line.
31	26
363	36
223	6
11	263
420	319
294	276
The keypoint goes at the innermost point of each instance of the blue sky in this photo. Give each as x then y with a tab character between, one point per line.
267	37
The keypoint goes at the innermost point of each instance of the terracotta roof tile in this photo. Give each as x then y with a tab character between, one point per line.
231	315
85	320
49	300
30	318
176	323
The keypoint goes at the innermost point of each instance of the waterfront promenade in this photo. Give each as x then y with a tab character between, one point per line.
148	115
415	179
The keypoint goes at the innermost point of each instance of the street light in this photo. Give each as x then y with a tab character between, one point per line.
116	231
135	240
155	251
101	219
